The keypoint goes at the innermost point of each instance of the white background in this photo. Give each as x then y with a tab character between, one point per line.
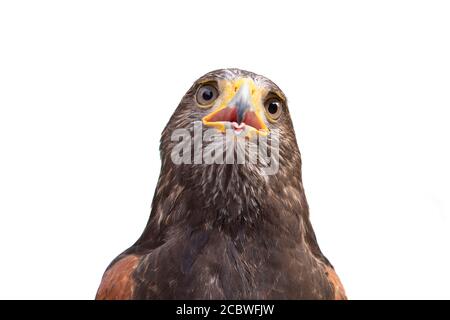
86	88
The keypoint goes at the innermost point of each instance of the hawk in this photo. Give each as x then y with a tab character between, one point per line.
221	226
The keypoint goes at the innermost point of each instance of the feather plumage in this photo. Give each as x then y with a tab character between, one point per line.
225	231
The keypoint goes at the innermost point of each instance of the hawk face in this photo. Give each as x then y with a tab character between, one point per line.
243	149
237	100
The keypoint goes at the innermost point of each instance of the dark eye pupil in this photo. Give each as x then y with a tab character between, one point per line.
273	107
207	94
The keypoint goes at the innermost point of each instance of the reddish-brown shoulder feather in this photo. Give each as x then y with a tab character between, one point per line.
339	292
117	282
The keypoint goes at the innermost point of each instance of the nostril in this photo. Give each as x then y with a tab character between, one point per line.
235	88
253	91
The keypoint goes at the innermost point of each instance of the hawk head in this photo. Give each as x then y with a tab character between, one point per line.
231	143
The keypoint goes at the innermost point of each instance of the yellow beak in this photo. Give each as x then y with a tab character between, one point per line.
242	113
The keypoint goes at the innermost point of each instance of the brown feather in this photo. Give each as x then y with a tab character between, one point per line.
339	292
117	282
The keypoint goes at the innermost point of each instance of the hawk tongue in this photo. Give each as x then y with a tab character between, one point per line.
238	127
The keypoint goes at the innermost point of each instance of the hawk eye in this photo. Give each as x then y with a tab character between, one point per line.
273	107
206	94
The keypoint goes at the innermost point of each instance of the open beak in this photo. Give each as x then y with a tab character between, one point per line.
239	115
